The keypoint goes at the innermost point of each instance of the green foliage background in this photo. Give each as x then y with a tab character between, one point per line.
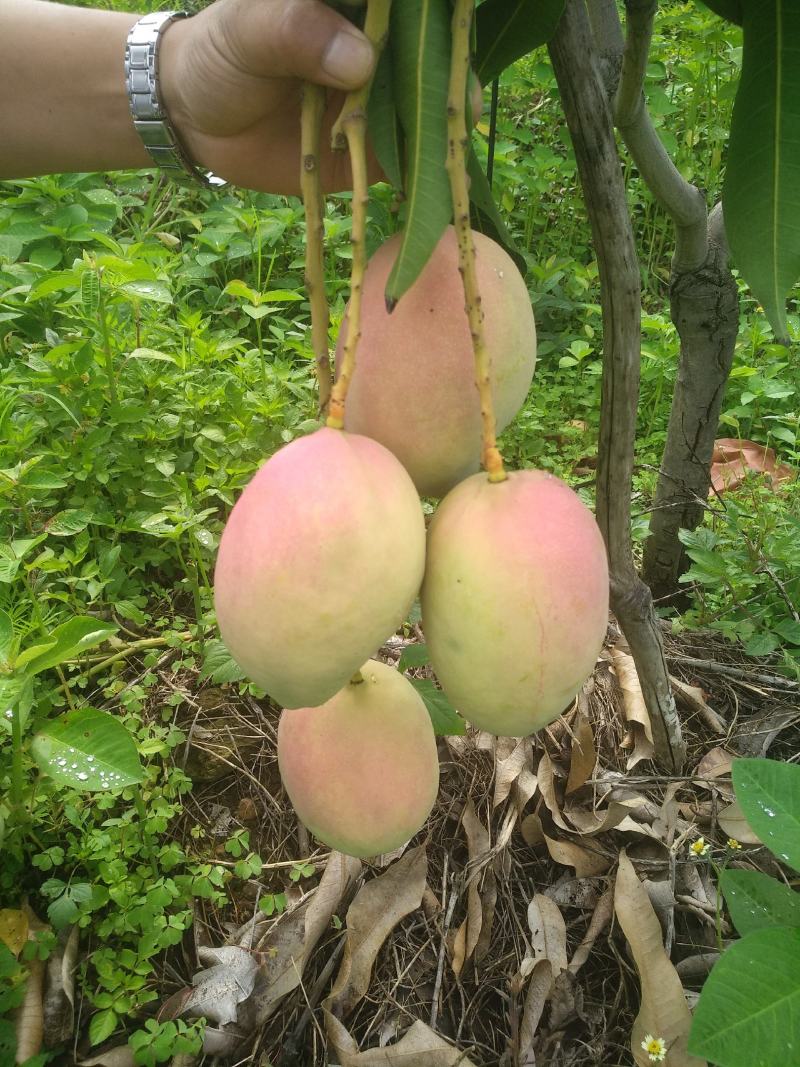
155	349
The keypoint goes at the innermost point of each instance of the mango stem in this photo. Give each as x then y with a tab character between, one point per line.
458	144
311	112
350	129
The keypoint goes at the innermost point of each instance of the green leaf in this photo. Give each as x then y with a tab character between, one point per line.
6	635
70	522
446	720
54	282
32	652
748	1012
148	290
236	287
384	126
769	794
413	656
72	638
761	196
420	44
726	9
487	217
90	293
152	353
88	750
509	29
789	629
103	1025
219	665
756	901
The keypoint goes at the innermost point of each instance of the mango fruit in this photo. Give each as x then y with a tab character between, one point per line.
414	383
319	562
362	771
515	599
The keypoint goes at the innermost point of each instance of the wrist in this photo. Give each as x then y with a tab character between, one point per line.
172	62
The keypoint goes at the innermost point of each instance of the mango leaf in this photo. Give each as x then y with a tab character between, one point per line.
768	792
420	47
486	216
70	639
87	749
756	901
761	195
384	127
509	29
446	720
726	9
6	635
748	1011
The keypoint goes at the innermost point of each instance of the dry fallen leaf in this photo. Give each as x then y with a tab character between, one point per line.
640	733
469	931
695	699
733	822
226	981
531	829
663	1011
547	785
590	823
13	929
378	907
587	864
548	932
601	917
419	1047
583	756
59	1000
507	769
119	1056
716	764
733	457
29	1016
541	982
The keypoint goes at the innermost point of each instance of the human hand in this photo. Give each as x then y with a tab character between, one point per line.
230	80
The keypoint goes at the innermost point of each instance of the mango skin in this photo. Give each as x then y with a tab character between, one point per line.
414	384
362	771
515	599
319	562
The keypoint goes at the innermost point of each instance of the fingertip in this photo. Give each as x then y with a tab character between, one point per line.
348	59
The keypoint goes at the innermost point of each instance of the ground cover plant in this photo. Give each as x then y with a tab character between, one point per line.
155	347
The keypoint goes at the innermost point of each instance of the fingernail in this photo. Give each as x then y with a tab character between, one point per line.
348	58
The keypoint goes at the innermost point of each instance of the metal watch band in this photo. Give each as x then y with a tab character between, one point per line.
149	116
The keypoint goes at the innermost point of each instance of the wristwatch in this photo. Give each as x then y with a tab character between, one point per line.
149	115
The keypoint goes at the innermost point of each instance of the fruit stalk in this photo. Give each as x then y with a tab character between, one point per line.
458	143
350	130
311	112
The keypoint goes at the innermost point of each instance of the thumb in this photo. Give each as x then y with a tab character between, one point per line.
294	39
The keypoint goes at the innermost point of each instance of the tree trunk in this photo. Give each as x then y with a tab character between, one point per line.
589	119
704	305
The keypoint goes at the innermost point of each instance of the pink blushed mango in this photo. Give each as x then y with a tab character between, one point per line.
319	562
515	599
362	771
414	384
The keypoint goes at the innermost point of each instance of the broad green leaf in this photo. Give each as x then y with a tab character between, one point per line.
219	665
420	44
413	656
748	1014
281	296
384	127
446	720
152	353
103	1025
72	638
70	522
487	218
54	282
32	652
509	29
149	290
761	195
756	901
10	248
768	792
726	9
6	635
236	287
89	750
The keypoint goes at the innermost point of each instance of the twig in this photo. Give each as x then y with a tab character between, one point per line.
311	112
457	144
133	647
772	680
440	966
351	127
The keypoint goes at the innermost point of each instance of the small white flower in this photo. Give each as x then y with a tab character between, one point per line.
655	1047
700	847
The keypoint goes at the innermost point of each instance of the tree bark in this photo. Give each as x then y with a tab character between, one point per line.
574	57
704	305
